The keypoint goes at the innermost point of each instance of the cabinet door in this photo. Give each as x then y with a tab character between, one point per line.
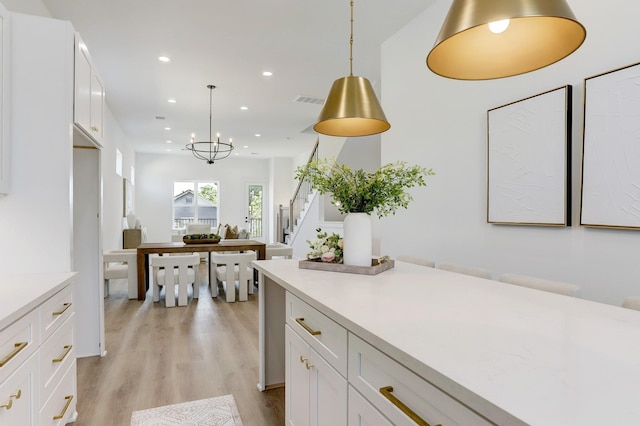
82	105
328	395
296	379
97	107
18	396
362	413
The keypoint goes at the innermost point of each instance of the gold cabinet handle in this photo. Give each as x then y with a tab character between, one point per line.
7	404
303	358
306	327
64	355
309	366
66	306
94	128
16	395
387	393
17	348
66	406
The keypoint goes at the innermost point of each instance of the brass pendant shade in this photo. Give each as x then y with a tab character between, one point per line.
351	109
539	33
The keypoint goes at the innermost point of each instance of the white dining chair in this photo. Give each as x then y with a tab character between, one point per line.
417	261
278	250
462	269
558	287
121	264
232	268
631	302
199	228
169	271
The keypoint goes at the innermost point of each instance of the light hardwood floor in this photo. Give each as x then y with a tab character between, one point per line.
158	356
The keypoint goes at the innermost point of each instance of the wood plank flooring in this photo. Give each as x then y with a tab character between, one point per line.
158	356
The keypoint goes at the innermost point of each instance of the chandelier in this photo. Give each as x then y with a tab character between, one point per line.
210	150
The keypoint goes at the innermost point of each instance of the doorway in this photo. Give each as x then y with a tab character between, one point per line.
256	220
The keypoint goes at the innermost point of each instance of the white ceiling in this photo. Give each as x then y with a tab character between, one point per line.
305	44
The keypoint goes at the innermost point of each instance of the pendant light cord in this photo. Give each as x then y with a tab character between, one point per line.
351	43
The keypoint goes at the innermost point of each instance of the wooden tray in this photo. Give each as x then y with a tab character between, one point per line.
374	269
201	240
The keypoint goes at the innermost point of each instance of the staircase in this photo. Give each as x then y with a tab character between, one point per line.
301	200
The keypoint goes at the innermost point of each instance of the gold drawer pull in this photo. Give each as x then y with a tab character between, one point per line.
309	366
303	359
306	327
18	347
386	392
64	355
64	410
7	404
66	306
16	395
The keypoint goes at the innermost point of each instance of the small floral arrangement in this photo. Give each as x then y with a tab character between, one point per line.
327	248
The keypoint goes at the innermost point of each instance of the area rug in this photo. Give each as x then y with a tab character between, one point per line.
219	411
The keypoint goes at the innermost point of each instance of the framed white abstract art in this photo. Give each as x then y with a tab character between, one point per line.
611	150
528	160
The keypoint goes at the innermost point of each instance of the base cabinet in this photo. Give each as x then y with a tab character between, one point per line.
19	396
315	394
362	413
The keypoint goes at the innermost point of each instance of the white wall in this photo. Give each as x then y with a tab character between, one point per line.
30	7
280	183
441	123
155	174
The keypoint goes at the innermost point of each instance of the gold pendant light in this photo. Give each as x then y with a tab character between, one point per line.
352	108
487	39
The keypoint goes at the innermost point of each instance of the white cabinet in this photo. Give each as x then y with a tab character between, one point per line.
37	361
315	367
362	413
5	141
88	110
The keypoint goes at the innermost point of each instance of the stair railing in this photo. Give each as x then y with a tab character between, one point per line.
301	194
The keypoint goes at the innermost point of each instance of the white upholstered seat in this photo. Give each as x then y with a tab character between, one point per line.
631	302
558	287
278	250
121	264
169	271
467	270
417	261
230	268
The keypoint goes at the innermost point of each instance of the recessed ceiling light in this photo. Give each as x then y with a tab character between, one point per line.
168	150
163	59
244	108
167	128
172	101
237	153
258	135
267	73
246	146
169	141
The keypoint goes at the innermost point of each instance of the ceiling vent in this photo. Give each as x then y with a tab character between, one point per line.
309	100
159	117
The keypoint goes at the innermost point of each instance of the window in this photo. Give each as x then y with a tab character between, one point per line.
195	202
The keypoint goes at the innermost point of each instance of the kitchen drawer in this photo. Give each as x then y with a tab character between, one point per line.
388	386
324	335
17	342
55	311
362	413
56	355
61	406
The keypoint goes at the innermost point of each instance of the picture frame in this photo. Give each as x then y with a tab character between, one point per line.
127	202
610	180
529	160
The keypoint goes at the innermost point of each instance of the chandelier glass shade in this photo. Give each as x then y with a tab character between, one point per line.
488	39
210	150
352	108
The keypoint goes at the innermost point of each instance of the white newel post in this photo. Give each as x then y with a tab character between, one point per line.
358	239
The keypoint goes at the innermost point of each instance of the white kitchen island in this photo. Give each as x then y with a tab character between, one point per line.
457	349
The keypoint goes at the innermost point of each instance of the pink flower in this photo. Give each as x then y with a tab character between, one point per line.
328	256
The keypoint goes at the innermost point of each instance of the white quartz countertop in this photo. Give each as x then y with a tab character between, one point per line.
516	355
19	294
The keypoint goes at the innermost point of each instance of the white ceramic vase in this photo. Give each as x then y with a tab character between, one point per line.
358	239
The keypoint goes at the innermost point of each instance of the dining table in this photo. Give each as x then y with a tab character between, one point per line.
227	245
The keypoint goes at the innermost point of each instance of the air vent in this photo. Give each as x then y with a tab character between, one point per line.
309	100
159	117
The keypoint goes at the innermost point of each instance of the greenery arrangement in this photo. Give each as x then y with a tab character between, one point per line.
201	237
327	248
356	191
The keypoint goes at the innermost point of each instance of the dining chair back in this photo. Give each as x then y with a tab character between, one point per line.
121	264
462	269
558	287
278	250
232	268
169	271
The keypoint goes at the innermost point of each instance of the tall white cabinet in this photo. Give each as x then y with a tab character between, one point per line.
88	111
5	141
